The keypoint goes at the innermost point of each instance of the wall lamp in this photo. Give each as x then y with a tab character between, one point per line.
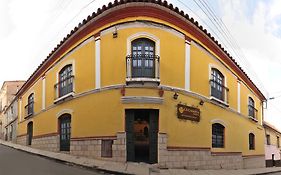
115	33
175	96
201	102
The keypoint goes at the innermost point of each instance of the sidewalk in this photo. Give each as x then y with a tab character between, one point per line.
133	168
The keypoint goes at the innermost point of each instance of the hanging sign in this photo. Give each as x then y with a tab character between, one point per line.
188	113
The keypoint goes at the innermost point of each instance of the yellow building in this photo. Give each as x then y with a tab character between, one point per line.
144	82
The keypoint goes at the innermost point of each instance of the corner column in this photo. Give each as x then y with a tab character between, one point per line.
97	60
43	92
187	63
20	105
238	95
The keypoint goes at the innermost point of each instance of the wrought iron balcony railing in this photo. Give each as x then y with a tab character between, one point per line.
219	91
29	109
142	66
64	87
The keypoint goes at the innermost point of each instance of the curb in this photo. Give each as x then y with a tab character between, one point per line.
276	171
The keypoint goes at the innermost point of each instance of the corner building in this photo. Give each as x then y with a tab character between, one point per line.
141	81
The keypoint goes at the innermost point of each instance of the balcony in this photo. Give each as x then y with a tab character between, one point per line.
29	110
64	89
142	68
252	113
219	92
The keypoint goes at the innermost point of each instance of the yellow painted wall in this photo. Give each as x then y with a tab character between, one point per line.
245	94
37	90
103	114
82	59
113	57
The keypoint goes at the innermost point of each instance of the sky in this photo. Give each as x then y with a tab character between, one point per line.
30	30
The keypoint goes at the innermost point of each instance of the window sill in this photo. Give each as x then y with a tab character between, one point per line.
63	98
252	118
219	101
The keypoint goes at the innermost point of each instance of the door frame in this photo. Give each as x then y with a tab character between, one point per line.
29	133
64	117
152	113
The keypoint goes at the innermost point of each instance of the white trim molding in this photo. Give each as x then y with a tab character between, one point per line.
20	109
43	93
143	35
64	111
219	121
238	96
187	65
97	62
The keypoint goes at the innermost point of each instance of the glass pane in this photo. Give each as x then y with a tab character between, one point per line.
134	63
139	63
150	63
146	63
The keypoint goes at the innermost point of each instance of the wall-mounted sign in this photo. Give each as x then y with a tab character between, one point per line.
188	113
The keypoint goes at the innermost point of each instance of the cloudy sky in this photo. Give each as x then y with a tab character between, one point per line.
30	29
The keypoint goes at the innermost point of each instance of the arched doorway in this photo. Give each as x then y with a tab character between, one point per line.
29	133
65	132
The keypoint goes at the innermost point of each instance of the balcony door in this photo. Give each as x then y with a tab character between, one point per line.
65	81
143	58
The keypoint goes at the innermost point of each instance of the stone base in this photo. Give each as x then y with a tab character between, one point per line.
254	162
203	158
21	140
49	143
91	147
168	157
270	163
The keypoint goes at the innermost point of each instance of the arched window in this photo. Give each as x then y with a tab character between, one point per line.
218	90
217	135
251	108
65	84
143	58
29	108
251	141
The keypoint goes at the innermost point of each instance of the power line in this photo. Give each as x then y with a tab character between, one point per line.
59	14
210	28
230	40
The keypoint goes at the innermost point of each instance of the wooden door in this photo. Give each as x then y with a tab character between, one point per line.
130	140
65	132
153	136
29	133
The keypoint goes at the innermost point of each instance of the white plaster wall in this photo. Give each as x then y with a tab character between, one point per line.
272	149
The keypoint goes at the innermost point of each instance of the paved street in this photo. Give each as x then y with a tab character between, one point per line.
13	162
